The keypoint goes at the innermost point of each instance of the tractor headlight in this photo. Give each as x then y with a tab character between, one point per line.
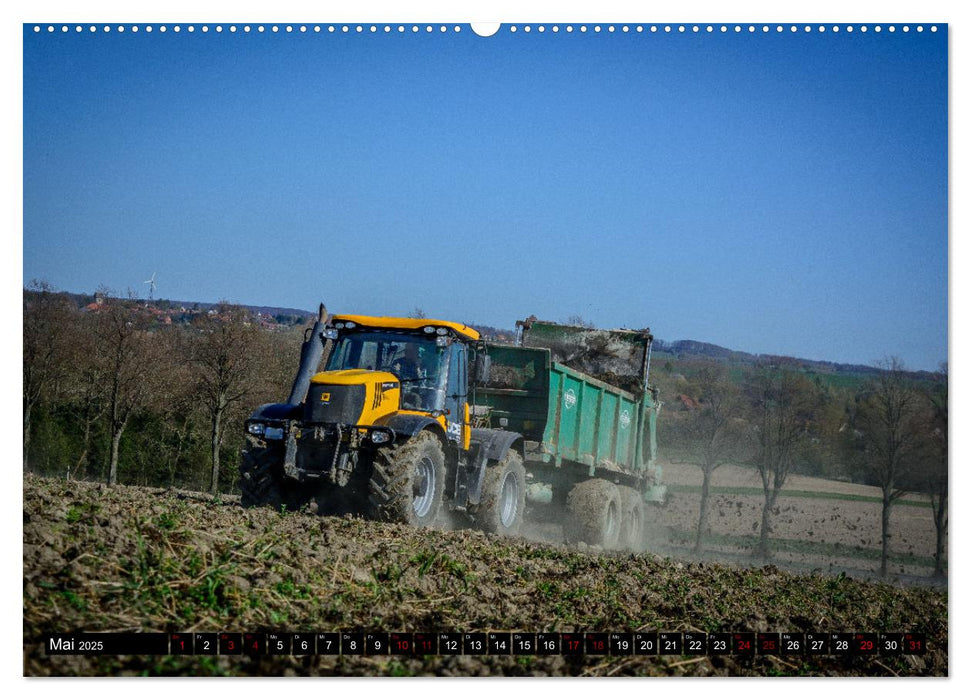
255	428
330	333
379	437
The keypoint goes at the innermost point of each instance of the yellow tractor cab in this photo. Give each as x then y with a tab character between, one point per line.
384	427
382	366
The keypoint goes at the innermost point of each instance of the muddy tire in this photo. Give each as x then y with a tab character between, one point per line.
408	482
594	512
503	497
258	478
631	519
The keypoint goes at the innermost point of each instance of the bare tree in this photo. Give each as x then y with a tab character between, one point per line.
182	415
712	431
47	325
937	470
86	390
226	357
129	357
784	404
887	413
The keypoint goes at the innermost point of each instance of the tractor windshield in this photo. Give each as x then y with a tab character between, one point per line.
418	362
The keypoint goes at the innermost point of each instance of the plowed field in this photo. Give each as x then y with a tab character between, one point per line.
133	559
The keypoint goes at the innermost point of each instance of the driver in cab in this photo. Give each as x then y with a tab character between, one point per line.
408	365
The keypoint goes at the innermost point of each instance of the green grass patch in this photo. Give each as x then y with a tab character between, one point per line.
75	600
166	521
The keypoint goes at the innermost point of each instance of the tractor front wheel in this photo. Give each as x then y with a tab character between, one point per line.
408	481
258	478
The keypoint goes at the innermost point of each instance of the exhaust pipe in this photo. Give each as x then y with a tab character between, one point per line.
311	352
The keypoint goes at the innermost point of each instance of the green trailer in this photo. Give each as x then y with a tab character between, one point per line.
581	400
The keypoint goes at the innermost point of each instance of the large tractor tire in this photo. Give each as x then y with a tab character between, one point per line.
594	514
408	482
258	478
631	519
503	497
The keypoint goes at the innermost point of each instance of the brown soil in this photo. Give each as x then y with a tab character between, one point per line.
137	559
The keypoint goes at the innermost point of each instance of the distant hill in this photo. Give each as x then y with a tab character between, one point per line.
183	310
688	350
265	310
679	349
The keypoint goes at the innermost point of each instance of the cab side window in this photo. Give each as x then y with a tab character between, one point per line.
456	389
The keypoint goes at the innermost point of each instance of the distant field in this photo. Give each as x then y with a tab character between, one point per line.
818	523
752	491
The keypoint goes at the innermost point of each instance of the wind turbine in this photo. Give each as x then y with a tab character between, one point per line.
151	283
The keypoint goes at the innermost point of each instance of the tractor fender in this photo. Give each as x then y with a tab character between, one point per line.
408	425
487	446
278	411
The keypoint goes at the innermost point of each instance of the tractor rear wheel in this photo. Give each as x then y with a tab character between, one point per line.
503	497
594	510
408	481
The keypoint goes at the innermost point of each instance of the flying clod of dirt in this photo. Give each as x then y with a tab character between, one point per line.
131	559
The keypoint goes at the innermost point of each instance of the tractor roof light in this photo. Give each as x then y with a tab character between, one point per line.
330	333
350	324
429	329
442	331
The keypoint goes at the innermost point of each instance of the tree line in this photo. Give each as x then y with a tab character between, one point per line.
114	393
890	431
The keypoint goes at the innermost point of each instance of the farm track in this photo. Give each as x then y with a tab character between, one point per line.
140	559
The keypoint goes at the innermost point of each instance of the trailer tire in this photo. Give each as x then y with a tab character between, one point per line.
408	481
632	519
503	497
594	508
258	480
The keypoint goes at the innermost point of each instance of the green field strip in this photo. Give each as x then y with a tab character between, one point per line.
827	549
822	495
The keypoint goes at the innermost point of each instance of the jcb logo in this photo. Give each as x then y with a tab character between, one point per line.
378	395
325	397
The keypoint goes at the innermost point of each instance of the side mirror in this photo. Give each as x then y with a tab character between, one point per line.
483	364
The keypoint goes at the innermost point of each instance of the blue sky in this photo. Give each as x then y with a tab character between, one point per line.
771	192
